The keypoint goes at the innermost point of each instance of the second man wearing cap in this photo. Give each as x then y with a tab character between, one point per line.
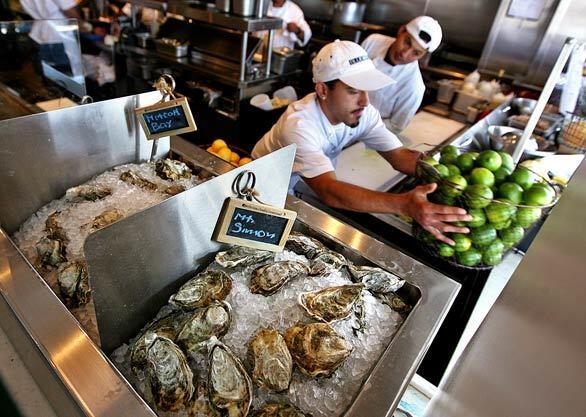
397	58
338	114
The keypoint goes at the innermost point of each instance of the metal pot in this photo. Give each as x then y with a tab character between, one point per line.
243	7
223	5
348	12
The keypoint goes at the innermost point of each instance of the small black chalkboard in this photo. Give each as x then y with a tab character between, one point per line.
254	225
168	118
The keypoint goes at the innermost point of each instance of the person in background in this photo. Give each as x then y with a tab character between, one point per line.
398	102
295	29
51	9
339	114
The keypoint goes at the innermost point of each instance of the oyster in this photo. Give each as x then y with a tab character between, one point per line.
87	193
395	302
167	326
271	360
230	387
202	325
130	177
375	279
50	252
105	218
267	279
54	230
317	348
73	283
304	245
170	377
202	290
279	410
174	189
169	169
326	261
331	304
242	256
201	406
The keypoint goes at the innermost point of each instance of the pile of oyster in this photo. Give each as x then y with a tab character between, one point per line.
52	239
181	364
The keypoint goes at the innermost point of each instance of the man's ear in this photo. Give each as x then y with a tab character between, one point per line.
321	90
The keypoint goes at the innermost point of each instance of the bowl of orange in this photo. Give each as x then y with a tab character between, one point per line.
228	153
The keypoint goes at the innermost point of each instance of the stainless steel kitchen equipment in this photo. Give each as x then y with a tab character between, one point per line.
223	5
74	144
243	7
285	60
347	12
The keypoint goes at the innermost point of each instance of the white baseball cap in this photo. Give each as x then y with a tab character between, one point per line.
426	31
348	62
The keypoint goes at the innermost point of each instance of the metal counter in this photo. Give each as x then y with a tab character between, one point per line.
71	145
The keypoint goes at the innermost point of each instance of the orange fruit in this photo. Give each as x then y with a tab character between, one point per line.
218	144
234	157
211	149
244	161
225	153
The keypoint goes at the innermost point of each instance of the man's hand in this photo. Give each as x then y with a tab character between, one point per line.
432	217
294	28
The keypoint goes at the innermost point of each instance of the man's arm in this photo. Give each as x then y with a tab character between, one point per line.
402	159
414	204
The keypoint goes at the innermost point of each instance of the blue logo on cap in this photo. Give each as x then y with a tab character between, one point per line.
357	59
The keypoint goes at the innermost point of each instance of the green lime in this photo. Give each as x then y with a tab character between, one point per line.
526	216
482	176
523	177
500	175
503	225
445	250
511	191
470	257
537	195
439	197
474	155
492	259
483	235
511	236
430	160
427	237
462	242
547	188
478	195
490	160
453	186
454	170
496	247
449	158
465	162
443	170
500	210
449	149
508	162
478	218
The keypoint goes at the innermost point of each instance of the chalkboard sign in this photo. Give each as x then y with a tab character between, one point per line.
254	225
167	118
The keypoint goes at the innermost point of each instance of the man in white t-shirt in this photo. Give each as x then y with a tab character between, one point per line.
295	30
51	9
337	115
398	102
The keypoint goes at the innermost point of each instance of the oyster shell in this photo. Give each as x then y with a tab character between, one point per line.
333	303
202	290
202	325
167	326
316	348
279	410
50	252
174	189
242	256
395	302
130	177
105	218
327	261
375	279
169	169
267	279
170	377
271	360
87	193
73	283
201	406
230	387
54	230
304	245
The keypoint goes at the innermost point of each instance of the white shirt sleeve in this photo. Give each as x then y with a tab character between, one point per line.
377	136
66	4
295	15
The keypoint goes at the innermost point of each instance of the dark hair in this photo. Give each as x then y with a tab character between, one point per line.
331	84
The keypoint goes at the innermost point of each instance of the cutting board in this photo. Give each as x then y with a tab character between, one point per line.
366	168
